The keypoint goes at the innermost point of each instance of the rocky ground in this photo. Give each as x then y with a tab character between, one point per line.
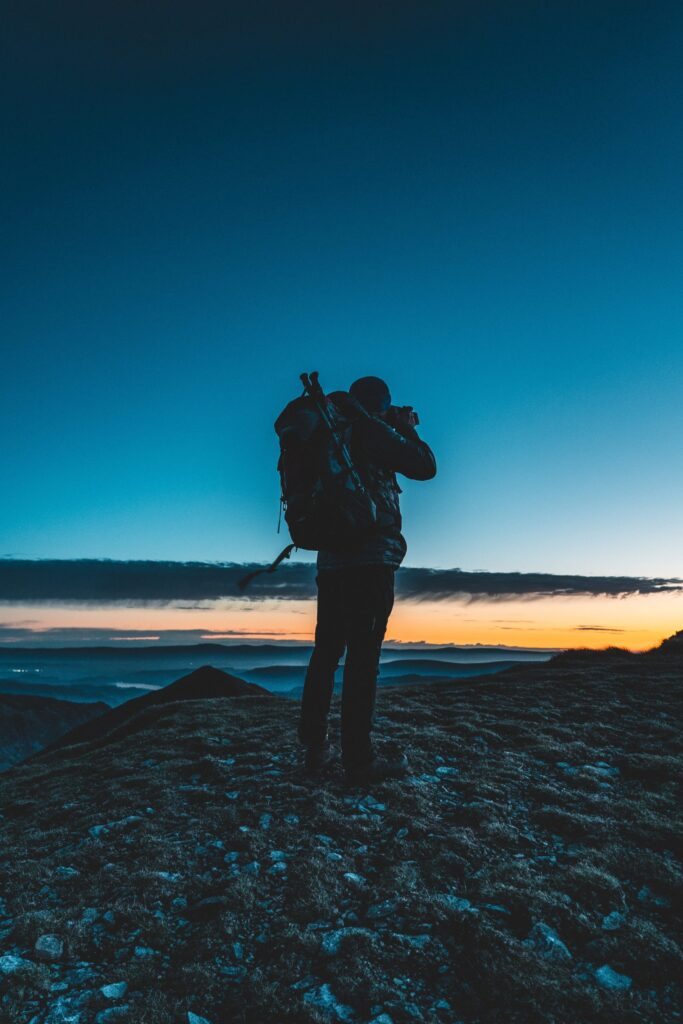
528	871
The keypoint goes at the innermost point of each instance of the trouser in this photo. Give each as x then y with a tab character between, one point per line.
354	605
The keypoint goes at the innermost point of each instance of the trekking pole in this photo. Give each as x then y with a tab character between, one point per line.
313	389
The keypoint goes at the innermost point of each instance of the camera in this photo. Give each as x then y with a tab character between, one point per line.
401	415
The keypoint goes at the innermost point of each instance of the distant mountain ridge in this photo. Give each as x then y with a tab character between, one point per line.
399	666
115	675
27	724
281	650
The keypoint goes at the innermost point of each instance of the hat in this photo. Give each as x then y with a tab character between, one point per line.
372	393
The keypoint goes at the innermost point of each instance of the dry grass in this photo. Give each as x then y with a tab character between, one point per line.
527	825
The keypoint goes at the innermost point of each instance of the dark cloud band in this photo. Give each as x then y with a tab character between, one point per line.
102	581
441	584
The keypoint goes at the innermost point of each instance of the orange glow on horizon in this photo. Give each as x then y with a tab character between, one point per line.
636	622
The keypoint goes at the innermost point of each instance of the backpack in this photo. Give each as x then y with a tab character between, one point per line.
326	503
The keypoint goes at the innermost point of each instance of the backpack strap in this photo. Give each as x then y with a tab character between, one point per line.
312	387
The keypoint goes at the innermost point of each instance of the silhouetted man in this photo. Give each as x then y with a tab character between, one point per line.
356	587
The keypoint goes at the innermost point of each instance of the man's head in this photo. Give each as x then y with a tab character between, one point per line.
372	393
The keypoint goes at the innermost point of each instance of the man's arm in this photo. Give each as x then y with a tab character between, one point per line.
400	450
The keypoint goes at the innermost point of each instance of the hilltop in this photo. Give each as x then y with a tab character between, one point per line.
206	683
673	645
527	873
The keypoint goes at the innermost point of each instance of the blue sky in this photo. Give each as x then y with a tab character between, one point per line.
481	205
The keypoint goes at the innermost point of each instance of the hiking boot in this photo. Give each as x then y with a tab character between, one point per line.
380	769
320	757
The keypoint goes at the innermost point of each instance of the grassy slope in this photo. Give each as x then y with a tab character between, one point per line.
508	827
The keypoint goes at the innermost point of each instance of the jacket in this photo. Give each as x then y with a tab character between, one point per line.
379	452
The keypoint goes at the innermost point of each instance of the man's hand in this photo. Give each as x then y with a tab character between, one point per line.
402	416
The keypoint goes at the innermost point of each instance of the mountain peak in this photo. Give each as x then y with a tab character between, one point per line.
205	683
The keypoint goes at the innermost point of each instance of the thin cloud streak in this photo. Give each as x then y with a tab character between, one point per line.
77	636
141	583
600	629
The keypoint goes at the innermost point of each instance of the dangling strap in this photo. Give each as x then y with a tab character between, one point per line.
246	580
